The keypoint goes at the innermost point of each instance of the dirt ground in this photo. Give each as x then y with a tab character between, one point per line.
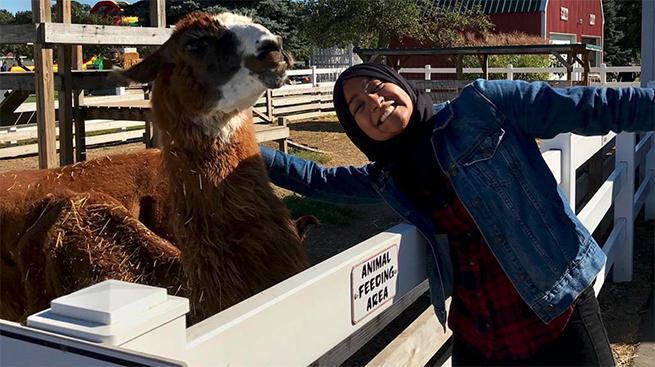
346	225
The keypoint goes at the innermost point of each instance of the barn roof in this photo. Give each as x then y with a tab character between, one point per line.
494	6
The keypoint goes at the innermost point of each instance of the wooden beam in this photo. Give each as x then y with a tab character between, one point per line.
569	69
90	34
484	64
586	64
45	91
78	101
65	61
417	344
18	33
157	13
342	351
81	79
460	67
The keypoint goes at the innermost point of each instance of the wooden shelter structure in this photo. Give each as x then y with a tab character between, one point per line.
70	80
575	52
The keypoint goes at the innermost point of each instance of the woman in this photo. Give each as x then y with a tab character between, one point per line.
468	174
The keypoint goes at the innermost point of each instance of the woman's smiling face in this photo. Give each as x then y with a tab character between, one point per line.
381	109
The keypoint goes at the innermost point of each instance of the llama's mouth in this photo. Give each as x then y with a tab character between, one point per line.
273	80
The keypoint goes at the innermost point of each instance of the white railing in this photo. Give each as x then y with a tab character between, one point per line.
510	72
309	318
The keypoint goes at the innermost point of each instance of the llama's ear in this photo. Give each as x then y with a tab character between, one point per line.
145	71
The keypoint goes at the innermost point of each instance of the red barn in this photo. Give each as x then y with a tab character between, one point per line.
560	21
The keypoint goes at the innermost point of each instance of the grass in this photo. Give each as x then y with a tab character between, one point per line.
317	157
32	98
325	212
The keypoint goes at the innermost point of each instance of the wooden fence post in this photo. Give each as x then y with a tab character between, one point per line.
624	207
65	61
45	90
563	142
284	147
314	81
269	105
157	19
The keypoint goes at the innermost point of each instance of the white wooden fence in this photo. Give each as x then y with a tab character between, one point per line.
309	319
601	72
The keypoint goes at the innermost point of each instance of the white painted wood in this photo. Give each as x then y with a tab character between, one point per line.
563	143
610	248
553	159
25	346
314	307
642	149
30	132
601	202
624	206
642	193
108	302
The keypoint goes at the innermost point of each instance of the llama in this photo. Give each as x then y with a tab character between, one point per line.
227	235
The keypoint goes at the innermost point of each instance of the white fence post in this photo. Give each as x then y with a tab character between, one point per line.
603	74
351	56
314	81
648	80
510	72
624	206
563	142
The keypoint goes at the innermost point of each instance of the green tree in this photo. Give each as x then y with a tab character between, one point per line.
373	23
6	17
363	23
281	17
622	32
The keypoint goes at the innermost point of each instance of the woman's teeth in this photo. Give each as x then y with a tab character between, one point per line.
386	114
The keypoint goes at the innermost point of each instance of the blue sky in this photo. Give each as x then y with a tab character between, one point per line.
16	5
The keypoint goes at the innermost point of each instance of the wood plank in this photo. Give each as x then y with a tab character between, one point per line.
441	84
342	351
18	33
308	115
298	91
278	102
417	344
90	34
65	110
265	132
157	13
45	91
302	107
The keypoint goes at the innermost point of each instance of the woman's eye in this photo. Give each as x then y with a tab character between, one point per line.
378	87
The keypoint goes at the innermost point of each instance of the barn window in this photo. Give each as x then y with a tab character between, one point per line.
564	13
592	19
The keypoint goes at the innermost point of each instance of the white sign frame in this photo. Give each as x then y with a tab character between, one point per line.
391	268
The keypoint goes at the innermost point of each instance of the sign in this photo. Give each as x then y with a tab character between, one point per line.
373	282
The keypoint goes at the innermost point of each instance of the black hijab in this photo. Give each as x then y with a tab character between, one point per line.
395	148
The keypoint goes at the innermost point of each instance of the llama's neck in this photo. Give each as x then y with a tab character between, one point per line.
214	185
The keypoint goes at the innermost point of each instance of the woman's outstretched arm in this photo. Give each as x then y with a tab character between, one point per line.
347	185
543	111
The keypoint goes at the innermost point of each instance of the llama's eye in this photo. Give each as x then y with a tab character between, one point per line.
196	47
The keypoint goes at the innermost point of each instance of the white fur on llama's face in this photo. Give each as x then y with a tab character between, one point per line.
245	87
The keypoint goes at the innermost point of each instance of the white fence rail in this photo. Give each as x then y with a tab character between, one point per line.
510	71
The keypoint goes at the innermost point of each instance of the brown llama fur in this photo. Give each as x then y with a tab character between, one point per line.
207	192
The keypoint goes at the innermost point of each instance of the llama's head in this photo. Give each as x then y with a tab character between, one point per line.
215	63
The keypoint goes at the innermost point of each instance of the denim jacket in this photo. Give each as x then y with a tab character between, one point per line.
484	140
